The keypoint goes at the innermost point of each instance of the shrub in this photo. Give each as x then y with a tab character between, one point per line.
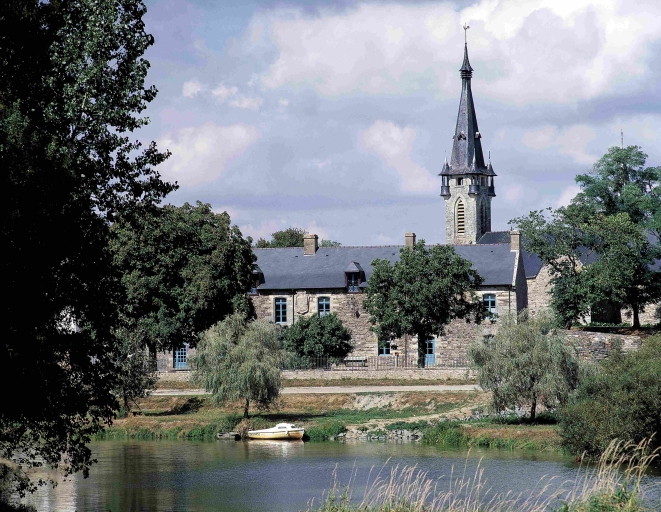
621	398
316	336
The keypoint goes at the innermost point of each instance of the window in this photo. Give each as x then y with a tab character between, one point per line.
489	301
323	306
385	349
460	217
353	281
280	310
460	182
181	358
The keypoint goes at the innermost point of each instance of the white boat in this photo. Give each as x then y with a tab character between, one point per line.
280	431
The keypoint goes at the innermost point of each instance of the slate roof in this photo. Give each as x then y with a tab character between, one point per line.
531	262
289	269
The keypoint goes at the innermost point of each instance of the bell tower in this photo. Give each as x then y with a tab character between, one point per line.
467	182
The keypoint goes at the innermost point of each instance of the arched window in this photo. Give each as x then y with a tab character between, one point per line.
460	217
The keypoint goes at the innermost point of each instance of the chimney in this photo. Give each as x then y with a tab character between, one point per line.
515	241
310	244
410	239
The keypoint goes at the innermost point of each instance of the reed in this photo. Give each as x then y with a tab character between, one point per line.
613	485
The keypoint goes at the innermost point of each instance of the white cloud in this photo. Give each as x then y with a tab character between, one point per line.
571	141
567	195
191	88
246	102
283	102
267	227
223	92
232	212
394	146
201	154
534	51
514	192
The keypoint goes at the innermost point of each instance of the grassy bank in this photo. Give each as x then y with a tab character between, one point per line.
509	433
326	416
322	415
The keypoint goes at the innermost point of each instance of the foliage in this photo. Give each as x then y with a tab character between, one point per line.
290	237
240	360
330	243
527	363
421	293
315	336
325	431
621	398
184	269
620	183
69	99
592	258
136	372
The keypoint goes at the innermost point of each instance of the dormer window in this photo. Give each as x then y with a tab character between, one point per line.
353	276
257	279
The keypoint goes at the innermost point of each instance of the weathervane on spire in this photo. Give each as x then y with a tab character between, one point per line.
466	27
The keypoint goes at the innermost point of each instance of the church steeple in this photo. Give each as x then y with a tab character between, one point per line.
467	182
467	145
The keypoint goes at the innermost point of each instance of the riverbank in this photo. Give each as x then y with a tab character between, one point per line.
442	418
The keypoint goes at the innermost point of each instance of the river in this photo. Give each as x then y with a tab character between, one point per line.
276	476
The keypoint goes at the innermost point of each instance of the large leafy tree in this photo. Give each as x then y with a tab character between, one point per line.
184	269
240	360
290	237
526	364
592	257
421	293
71	93
316	336
620	183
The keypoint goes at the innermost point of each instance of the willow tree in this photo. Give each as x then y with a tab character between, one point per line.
526	364
240	360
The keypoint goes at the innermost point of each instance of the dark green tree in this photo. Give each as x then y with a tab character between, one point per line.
315	336
290	237
618	399
184	269
526	364
421	293
620	183
71	93
592	257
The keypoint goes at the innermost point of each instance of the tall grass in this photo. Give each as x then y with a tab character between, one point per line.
614	485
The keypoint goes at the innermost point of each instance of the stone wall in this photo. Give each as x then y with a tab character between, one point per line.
410	373
539	291
596	346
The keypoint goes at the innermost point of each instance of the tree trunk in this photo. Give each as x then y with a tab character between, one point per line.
245	409
422	350
533	410
636	317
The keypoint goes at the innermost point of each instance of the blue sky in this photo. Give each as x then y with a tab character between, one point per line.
336	117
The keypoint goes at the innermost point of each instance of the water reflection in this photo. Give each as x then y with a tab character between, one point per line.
270	475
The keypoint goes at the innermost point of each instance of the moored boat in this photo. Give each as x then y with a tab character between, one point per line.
280	431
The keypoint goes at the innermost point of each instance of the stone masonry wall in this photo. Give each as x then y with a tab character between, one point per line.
596	346
539	291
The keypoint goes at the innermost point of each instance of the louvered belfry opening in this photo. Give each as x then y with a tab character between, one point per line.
461	219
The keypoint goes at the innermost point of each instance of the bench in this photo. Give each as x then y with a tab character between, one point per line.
355	361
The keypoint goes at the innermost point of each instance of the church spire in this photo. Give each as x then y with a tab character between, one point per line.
467	156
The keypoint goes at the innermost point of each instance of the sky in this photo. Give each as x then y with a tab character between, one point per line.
336	117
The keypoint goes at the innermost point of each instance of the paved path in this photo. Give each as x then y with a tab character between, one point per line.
334	389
